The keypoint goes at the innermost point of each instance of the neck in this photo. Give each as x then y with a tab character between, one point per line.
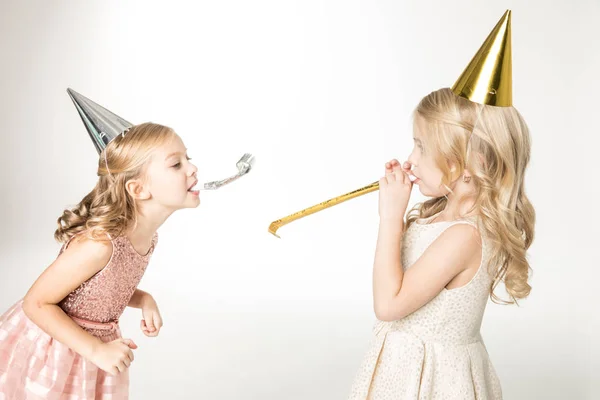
460	202
148	221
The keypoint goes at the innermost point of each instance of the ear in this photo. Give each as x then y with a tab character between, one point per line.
453	174
466	175
136	189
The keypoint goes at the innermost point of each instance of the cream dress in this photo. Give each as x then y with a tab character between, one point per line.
437	351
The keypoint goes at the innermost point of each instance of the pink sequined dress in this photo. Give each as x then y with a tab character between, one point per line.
35	366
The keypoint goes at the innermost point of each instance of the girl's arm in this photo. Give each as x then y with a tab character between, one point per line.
397	294
152	320
138	299
81	260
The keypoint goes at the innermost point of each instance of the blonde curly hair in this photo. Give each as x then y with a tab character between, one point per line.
493	143
109	209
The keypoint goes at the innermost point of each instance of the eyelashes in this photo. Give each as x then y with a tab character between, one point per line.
178	165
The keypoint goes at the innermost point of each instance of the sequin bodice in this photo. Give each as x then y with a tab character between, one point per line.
104	296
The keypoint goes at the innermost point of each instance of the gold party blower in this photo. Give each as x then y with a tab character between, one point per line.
486	80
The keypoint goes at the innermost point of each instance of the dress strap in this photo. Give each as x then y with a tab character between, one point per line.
66	244
466	221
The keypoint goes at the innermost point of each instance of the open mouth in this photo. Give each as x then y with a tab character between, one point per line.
414	179
191	188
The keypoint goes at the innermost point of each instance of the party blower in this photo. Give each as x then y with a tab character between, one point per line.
244	165
321	206
486	80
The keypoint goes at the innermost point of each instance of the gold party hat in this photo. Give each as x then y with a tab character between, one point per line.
486	80
488	77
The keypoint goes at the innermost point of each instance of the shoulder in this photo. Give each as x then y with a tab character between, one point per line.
455	247
84	248
462	239
82	257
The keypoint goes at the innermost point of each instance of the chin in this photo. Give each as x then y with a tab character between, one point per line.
194	204
423	191
187	204
191	201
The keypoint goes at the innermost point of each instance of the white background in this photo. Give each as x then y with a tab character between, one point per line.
321	92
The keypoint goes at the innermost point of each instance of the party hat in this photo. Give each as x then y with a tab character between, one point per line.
101	124
488	77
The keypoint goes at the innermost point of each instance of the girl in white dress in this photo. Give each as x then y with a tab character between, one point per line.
434	272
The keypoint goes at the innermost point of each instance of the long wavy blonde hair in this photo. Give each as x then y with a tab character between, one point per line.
493	143
109	208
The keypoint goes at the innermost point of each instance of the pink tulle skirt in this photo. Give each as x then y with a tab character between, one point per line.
35	366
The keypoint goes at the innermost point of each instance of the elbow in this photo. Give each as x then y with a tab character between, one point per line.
385	313
392	310
31	306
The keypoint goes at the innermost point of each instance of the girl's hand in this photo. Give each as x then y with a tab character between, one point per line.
114	357
394	191
152	321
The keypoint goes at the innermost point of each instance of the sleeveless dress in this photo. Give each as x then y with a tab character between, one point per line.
35	366
436	352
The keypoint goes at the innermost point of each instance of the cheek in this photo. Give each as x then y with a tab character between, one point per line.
430	173
437	176
164	184
423	169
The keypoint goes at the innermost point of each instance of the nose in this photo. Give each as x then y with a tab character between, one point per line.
192	169
412	159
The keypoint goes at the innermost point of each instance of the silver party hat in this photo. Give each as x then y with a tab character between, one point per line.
101	124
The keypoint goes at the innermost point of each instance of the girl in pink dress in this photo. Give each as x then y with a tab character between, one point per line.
62	340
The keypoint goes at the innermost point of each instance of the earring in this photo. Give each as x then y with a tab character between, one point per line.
466	179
